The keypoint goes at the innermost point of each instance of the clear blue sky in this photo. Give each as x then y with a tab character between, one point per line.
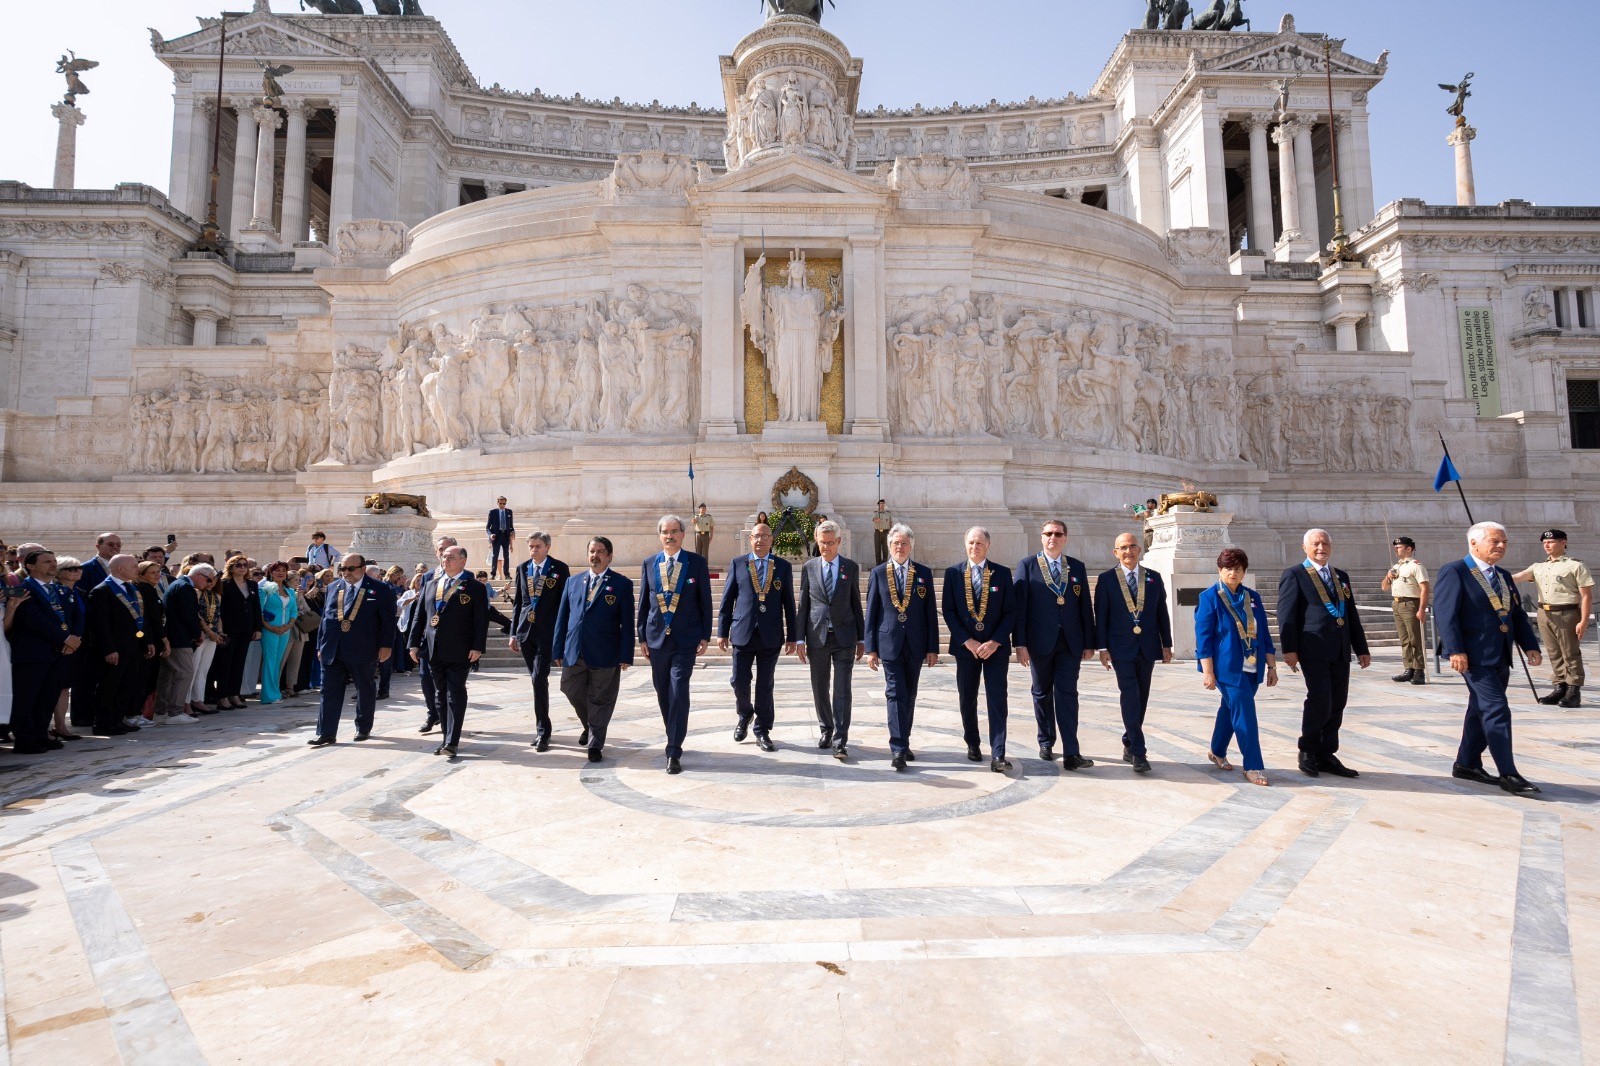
1537	138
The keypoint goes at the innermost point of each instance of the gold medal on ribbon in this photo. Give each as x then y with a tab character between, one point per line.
1044	572
1135	607
1322	593
434	621
981	608
1501	607
761	587
901	600
1247	632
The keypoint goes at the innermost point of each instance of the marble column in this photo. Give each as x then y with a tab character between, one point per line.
1149	189
205	329
1569	296
1347	169
70	119
1363	209
1261	230
201	136
867	383
1305	168
295	173
1216	172
346	136
244	169
1466	189
267	123
722	338
180	177
1288	184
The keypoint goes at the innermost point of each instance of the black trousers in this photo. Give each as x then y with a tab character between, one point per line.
900	677
335	677
121	693
1488	721
970	670
430	694
764	662
592	691
1327	691
34	690
671	669
537	658
83	678
1133	685
831	667
450	688
228	667
1055	695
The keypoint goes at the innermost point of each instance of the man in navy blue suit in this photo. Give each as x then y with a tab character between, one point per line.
1318	629
357	633
902	635
501	527
536	597
42	646
758	619
594	643
450	629
1054	634
1134	631
1480	617
674	628
978	602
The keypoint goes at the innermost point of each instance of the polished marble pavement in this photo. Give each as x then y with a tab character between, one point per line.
222	893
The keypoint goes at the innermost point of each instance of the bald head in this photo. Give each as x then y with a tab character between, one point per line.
123	567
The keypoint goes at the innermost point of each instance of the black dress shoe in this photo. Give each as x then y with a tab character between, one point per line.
450	751
899	762
841	753
429	726
583	739
1075	762
1474	773
319	742
594	754
1308	765
674	766
1141	765
1555	696
363	736
381	696
1047	753
825	741
1404	677
911	756
999	766
1518	785
1127	754
974	754
1331	765
764	742
439	750
541	742
741	730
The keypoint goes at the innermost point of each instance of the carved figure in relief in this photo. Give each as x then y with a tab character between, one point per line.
794	326
618	357
792	112
820	129
764	116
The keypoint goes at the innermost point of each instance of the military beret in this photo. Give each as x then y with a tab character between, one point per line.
1553	534
1406	541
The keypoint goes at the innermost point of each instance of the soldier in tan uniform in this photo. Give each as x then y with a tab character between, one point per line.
704	526
882	522
1566	595
1407	583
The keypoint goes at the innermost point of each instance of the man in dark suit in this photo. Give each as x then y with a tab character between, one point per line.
674	628
501	527
451	631
42	646
1055	633
833	635
96	570
358	620
430	697
902	630
89	671
757	618
978	601
593	642
1134	630
536	597
1318	628
123	635
1480	617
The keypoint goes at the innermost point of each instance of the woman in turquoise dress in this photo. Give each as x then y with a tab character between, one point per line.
280	606
1235	652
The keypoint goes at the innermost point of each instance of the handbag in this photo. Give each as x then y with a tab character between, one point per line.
309	619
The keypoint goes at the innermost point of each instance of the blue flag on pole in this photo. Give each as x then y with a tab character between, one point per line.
691	469
1447	473
880	468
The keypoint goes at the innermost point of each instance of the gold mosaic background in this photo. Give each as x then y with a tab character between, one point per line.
756	414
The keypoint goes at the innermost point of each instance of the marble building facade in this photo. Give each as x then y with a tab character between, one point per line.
1058	305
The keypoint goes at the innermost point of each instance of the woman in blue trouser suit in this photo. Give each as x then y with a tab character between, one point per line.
1234	646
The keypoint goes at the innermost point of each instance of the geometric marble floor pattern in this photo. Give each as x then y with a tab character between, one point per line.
222	893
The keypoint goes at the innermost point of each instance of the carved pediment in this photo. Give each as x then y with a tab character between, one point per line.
794	174
1289	53
258	35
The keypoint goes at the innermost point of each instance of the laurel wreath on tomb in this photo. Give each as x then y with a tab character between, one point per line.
791	532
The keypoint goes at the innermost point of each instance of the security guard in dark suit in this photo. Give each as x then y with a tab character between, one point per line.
357	633
674	628
451	631
594	643
757	619
535	599
1480	617
1318	628
902	635
1054	634
978	604
1134	631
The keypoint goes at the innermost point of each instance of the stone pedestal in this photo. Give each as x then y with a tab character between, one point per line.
403	538
67	144
1466	189
1184	552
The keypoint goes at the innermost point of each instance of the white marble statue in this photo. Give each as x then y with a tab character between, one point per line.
794	326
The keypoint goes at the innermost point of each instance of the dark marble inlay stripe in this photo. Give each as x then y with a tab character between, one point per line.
1542	1017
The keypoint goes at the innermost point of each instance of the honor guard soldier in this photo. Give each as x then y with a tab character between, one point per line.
834	635
978	602
594	644
1134	631
1480	618
757	619
882	522
536	595
450	632
357	633
674	628
1566	596
1407	583
1318	628
704	527
1054	634
902	635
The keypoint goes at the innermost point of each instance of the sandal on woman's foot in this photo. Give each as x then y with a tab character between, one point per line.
1218	761
1256	777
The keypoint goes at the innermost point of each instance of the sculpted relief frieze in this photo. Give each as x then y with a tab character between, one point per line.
790	110
192	424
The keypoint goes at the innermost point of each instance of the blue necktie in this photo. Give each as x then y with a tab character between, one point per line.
761	570
1133	581
1327	578
900	579
828	580
1055	570
977	580
1494	580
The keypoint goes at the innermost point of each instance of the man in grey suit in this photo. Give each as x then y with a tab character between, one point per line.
830	614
